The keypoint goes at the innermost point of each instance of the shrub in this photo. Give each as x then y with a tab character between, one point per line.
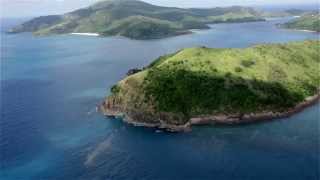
238	69
182	91
115	89
247	63
276	73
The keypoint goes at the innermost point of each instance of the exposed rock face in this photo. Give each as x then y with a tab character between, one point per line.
136	117
203	86
254	117
133	71
111	109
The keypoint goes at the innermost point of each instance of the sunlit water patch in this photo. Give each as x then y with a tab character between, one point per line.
50	87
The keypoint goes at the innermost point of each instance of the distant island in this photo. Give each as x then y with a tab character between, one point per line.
219	86
285	13
136	20
308	21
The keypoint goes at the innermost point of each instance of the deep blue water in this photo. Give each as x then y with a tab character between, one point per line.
49	129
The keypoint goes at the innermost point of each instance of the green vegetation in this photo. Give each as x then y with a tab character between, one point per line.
309	22
140	27
202	81
135	19
296	12
285	13
247	63
115	89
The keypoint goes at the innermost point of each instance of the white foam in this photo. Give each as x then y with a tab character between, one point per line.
86	34
304	30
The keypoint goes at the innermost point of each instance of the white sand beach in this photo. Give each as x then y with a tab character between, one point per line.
86	34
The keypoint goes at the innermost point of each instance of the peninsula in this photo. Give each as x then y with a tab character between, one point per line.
307	22
225	86
136	20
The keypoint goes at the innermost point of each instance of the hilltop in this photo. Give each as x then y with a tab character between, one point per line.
135	19
203	85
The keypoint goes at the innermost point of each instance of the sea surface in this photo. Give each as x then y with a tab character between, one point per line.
49	129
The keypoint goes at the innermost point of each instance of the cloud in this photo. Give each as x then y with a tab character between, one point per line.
28	8
32	8
21	1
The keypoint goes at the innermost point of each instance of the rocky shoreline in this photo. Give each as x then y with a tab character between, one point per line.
221	119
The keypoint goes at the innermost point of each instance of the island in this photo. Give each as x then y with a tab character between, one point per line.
136	20
306	22
284	13
197	86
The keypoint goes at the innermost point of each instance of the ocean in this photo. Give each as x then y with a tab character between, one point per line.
49	129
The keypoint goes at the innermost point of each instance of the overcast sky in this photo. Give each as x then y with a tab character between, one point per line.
28	8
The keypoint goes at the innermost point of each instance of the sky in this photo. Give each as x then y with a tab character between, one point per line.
31	8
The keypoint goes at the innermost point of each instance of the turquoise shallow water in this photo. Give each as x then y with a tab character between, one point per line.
49	129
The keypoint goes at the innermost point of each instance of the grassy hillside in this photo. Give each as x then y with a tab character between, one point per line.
309	21
202	81
286	13
135	19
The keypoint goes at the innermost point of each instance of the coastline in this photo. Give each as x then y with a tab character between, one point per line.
219	119
86	34
298	30
305	30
